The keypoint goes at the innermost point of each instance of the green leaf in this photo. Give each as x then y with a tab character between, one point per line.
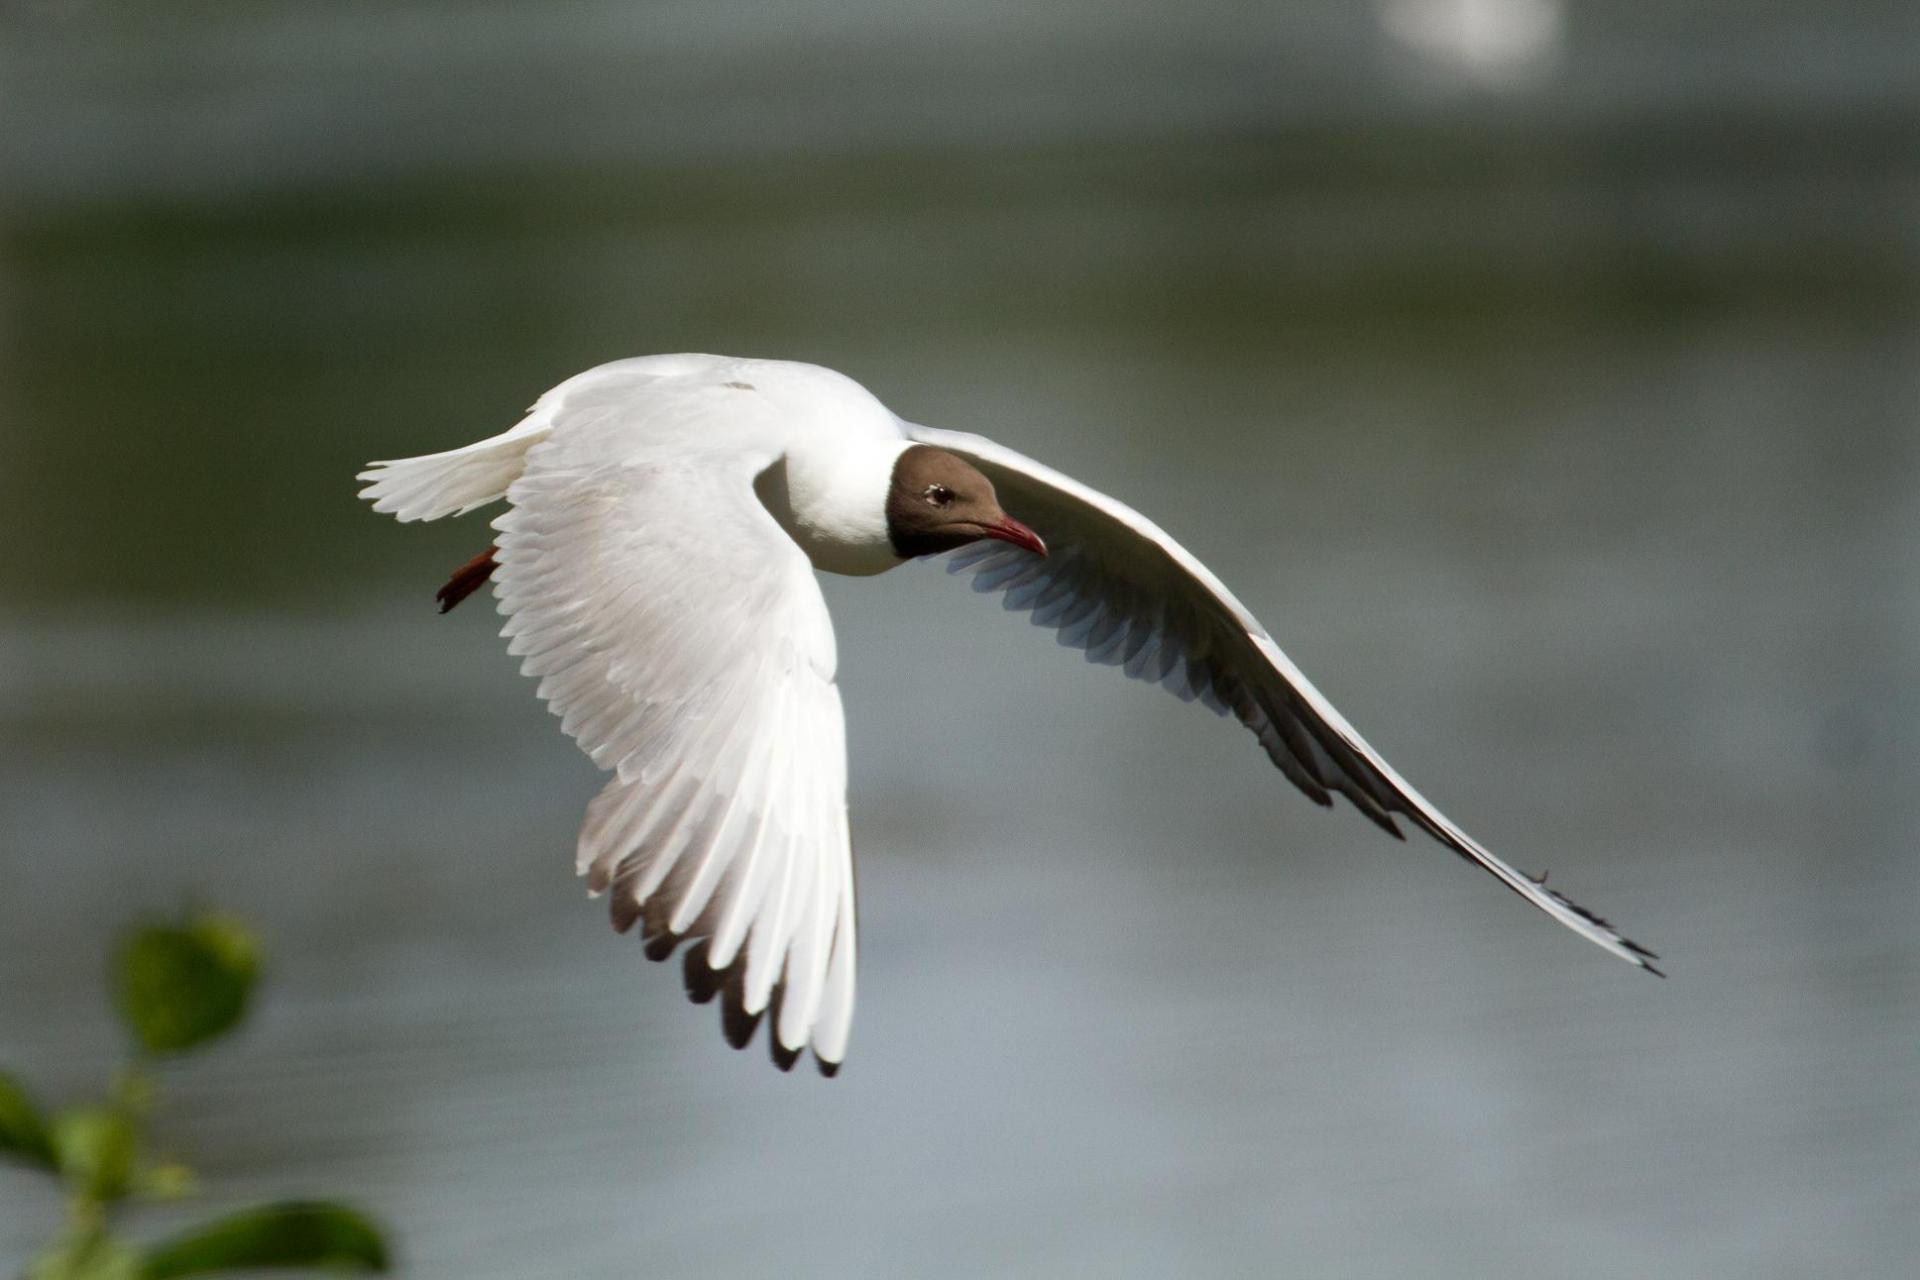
88	1254
23	1130
182	985
95	1146
165	1182
315	1236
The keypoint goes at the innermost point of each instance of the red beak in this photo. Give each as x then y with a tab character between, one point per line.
1011	530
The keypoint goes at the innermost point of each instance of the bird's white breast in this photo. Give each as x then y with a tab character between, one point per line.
829	492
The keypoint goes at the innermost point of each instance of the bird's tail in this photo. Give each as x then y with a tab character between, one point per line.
455	482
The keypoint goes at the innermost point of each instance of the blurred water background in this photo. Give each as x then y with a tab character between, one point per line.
1543	373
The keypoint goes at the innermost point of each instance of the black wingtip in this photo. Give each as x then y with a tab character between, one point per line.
827	1069
1372	813
783	1057
1640	955
1644	957
701	982
705	985
737	1025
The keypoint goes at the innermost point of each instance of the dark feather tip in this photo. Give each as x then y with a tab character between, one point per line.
736	1024
701	982
1375	815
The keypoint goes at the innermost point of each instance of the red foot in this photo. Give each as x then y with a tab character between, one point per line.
466	580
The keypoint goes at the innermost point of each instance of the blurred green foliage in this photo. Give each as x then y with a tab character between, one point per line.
182	986
177	987
23	1133
282	1235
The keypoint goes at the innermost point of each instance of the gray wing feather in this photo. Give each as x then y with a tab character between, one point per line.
1118	588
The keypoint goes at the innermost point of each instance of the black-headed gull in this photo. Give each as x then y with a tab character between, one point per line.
655	566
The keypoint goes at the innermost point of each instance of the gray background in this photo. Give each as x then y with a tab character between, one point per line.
1552	394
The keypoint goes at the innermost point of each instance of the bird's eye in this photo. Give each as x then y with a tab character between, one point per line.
939	495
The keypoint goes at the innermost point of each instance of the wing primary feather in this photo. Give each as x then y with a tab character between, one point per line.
836	1011
806	960
1112	572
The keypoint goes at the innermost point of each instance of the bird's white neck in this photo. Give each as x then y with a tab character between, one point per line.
831	498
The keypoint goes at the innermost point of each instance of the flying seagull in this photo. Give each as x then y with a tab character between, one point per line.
655	567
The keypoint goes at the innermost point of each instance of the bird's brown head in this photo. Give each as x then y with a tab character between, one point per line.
938	502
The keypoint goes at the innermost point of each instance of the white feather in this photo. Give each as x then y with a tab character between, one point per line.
654	567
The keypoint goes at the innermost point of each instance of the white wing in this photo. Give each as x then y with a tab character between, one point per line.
1119	588
679	634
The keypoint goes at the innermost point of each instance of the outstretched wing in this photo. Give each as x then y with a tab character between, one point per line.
680	636
1119	588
